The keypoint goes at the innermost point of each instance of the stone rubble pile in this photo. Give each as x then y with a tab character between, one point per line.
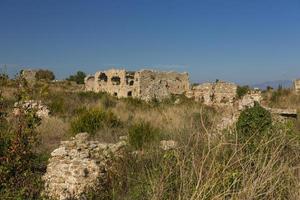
41	110
79	166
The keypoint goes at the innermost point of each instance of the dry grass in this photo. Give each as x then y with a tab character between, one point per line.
52	130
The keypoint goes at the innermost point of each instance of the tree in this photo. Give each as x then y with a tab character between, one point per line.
242	90
44	75
78	77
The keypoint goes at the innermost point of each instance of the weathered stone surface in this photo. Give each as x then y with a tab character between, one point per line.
78	166
249	99
218	93
143	84
288	113
41	110
297	86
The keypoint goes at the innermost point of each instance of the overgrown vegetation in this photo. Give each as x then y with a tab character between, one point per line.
78	77
43	74
20	167
242	91
253	122
91	120
204	166
141	134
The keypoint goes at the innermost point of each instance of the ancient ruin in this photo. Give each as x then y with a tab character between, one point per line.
297	86
32	105
143	84
217	93
248	100
79	166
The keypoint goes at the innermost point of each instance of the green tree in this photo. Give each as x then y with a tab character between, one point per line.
78	77
242	90
44	74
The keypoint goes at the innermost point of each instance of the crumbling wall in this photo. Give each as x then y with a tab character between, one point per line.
218	93
248	100
119	83
297	86
160	85
79	166
144	84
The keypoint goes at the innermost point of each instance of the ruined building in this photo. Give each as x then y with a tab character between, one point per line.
143	84
217	93
297	86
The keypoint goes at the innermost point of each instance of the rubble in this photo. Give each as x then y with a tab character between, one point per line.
41	110
79	166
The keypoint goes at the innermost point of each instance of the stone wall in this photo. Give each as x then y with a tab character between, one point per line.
248	100
79	166
297	86
218	93
143	84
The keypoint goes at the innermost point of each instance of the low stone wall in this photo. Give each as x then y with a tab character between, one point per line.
218	93
79	166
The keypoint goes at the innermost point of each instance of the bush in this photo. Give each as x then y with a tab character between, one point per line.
21	167
44	75
92	120
242	91
78	77
255	120
141	134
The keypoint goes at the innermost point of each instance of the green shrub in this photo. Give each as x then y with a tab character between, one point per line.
255	120
78	77
21	167
242	91
44	75
92	120
141	134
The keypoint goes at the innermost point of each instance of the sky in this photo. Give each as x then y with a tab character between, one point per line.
243	41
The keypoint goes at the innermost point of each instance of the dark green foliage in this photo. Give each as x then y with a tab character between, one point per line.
141	134
91	120
44	74
242	90
255	120
78	77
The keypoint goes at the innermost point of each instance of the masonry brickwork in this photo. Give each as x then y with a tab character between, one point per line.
143	84
217	93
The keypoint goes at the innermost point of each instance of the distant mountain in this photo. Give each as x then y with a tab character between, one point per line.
274	84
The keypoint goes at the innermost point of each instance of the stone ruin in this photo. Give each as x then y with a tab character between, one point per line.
217	93
79	166
297	86
143	84
248	100
42	111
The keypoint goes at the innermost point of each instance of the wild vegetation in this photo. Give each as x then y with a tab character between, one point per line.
257	159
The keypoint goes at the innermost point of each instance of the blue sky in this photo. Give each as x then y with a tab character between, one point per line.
244	41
